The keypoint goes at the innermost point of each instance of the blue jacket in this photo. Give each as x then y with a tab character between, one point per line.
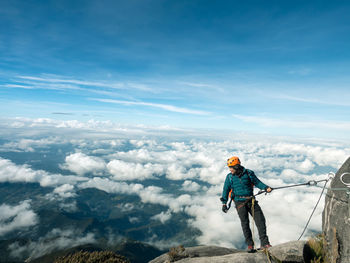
241	186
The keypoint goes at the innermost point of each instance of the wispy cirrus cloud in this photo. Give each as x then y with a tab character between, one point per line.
72	81
37	85
76	86
197	85
166	107
59	83
17	86
62	113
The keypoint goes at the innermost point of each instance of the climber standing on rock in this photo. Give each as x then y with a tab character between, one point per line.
240	182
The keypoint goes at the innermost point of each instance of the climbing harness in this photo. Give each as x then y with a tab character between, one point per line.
249	198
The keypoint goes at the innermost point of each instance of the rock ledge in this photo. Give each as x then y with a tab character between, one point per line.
290	252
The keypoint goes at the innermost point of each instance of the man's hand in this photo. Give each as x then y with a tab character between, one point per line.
224	208
269	189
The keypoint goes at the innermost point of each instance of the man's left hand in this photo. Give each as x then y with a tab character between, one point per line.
269	189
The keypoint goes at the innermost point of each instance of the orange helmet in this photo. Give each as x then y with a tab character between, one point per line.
233	161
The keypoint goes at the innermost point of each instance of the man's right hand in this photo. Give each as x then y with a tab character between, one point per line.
224	208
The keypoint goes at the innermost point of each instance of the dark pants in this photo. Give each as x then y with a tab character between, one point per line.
243	210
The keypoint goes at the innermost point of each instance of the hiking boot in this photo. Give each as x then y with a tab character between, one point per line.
251	249
267	246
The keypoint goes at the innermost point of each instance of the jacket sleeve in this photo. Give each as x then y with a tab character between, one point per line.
257	182
226	190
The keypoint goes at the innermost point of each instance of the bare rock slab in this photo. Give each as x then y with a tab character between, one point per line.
336	217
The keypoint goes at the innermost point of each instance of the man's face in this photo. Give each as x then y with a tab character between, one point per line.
232	170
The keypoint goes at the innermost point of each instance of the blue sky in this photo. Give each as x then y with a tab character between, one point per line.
271	67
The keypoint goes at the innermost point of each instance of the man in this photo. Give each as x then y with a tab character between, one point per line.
242	181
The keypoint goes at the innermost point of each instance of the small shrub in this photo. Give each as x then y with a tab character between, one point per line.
92	257
317	246
176	253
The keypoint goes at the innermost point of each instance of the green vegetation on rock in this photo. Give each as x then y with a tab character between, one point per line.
92	257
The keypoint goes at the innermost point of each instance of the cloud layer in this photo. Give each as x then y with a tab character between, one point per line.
127	164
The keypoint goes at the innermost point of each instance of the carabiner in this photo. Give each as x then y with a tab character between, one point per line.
312	183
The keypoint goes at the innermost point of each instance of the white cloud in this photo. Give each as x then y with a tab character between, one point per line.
328	156
190	186
109	186
153	195
133	171
290	175
176	171
16	217
81	164
143	143
10	172
65	191
126	207
179	162
69	207
29	145
56	239
306	166
162	217
133	219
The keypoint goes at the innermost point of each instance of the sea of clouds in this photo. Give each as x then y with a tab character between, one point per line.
119	159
